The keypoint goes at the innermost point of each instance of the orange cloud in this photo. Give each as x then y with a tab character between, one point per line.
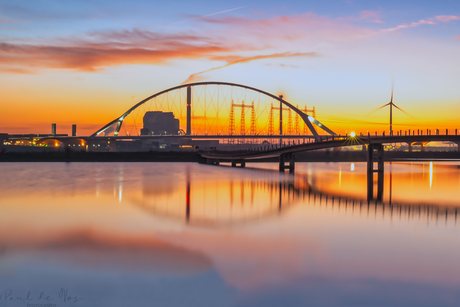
13	57
231	60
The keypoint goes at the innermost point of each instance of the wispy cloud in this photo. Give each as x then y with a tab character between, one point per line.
429	21
7	20
292	27
370	16
232	60
213	14
447	18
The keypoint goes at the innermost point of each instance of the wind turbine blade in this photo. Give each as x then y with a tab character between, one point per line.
403	111
378	108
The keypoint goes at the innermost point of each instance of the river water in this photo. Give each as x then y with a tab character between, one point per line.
185	234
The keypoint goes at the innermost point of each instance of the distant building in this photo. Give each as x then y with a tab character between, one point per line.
3	138
160	123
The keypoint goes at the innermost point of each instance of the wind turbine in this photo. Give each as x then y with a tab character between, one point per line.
391	104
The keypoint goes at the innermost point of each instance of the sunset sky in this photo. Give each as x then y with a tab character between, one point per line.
86	62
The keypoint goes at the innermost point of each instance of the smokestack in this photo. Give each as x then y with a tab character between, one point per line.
53	129
74	130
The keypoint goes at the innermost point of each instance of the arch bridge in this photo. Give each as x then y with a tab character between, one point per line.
210	109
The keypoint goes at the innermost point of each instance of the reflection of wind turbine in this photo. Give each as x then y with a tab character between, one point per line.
391	104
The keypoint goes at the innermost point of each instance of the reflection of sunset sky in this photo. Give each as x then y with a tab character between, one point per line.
87	64
72	217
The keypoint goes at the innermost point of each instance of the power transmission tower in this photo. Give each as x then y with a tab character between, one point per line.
271	128
289	127
231	126
243	119
297	129
253	119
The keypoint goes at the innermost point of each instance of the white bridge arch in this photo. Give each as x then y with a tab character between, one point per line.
116	124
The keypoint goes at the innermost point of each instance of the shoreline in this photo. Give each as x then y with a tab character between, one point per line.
176	156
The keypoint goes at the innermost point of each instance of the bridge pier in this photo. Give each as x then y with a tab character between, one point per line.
375	156
289	157
242	163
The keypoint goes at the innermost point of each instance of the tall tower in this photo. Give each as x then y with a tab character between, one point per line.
231	126
305	128
289	127
253	119
296	127
271	127
243	121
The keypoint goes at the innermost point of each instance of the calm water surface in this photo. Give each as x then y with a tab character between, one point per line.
184	234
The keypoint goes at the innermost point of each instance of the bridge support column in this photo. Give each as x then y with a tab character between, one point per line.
189	111
289	157
281	120
375	156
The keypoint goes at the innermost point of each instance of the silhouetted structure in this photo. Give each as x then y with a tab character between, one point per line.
160	123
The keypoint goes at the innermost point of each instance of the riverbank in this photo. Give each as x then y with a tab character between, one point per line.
178	156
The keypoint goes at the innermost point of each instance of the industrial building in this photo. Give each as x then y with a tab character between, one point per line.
160	123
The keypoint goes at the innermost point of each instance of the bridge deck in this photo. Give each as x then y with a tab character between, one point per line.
269	151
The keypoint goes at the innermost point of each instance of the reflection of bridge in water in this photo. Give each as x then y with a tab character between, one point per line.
374	146
249	201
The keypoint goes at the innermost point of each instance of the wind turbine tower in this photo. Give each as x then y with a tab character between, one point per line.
391	104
